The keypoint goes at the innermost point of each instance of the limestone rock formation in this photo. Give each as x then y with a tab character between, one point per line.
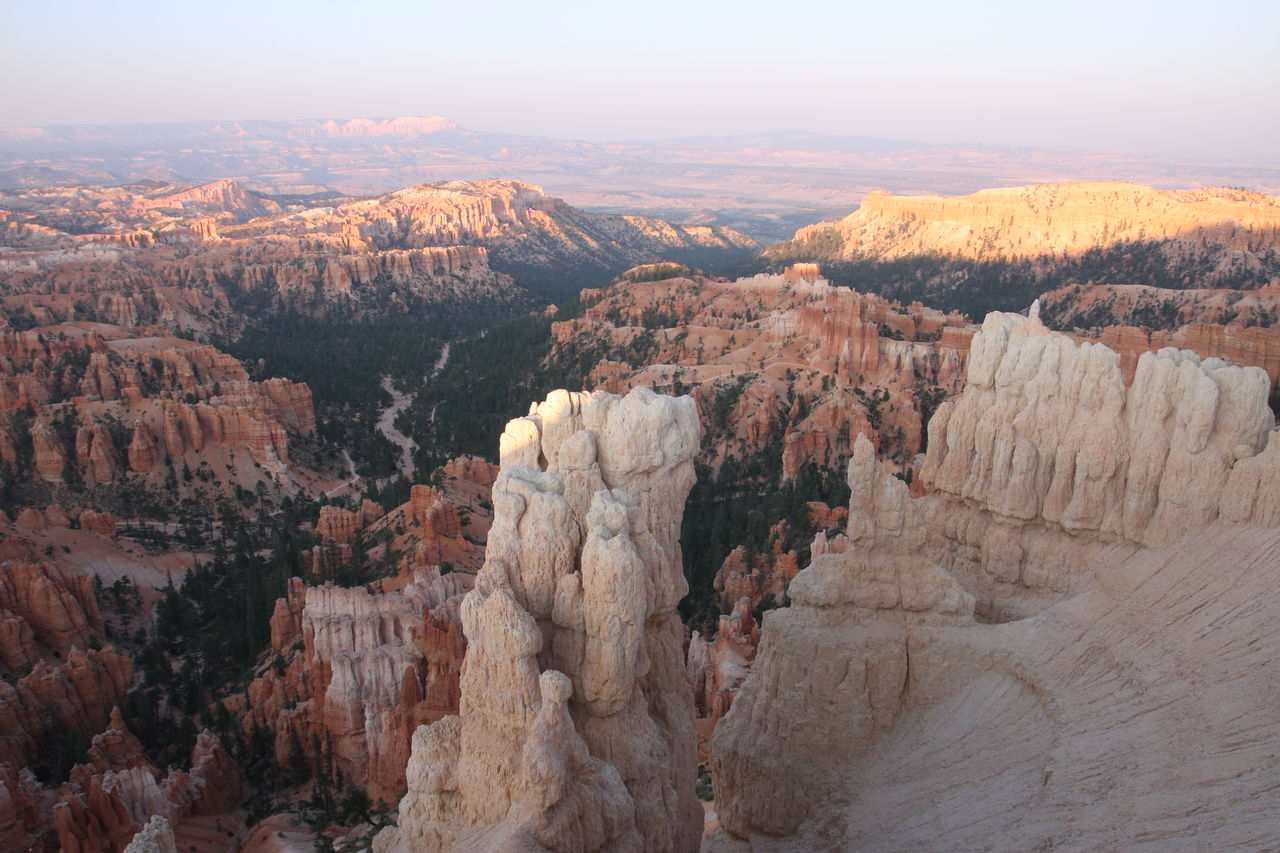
1058	645
155	837
1217	224
778	363
363	671
575	726
76	695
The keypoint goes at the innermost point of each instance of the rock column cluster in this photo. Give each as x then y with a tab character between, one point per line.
575	729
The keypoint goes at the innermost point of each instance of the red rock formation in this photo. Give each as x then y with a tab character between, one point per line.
60	609
473	469
338	525
372	668
717	667
76	695
102	523
1225	228
96	820
755	577
23	814
436	519
286	619
50	458
789	351
116	748
1248	347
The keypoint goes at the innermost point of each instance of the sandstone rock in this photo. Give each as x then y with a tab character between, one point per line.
101	523
1047	476
372	668
50	456
61	609
155	837
116	749
338	524
142	451
76	695
471	468
1047	220
575	721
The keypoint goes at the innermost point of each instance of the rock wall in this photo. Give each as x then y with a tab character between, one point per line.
1223	226
1121	539
885	711
360	671
575	726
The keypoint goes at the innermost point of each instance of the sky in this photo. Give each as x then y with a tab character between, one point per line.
1199	79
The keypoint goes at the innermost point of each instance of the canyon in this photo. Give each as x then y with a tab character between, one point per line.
854	571
765	184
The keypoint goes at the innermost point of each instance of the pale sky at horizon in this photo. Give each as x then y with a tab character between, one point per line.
1197	79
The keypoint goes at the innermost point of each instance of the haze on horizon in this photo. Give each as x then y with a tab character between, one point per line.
1169	78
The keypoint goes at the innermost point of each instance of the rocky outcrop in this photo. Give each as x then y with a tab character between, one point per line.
75	695
779	364
575	725
1094	523
471	468
101	523
338	524
108	404
60	610
756	576
1095	306
1224	226
169	256
155	837
436	520
363	671
718	666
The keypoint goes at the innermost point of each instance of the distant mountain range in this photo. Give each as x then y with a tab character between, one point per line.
765	184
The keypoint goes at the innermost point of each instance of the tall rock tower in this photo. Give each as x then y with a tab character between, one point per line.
575	729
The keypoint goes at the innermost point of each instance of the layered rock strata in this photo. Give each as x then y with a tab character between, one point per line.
1121	536
1221	228
359	672
778	363
575	726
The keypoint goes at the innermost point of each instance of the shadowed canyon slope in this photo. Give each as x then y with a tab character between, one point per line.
1064	644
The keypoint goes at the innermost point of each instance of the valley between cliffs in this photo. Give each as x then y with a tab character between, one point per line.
321	527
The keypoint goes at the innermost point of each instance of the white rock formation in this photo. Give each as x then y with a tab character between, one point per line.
155	837
1125	539
576	723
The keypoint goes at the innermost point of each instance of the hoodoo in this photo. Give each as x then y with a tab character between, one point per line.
1066	644
575	729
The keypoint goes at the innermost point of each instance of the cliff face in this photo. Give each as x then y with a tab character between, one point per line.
357	671
119	800
785	363
575	724
1068	620
1235	325
371	668
1225	227
57	683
